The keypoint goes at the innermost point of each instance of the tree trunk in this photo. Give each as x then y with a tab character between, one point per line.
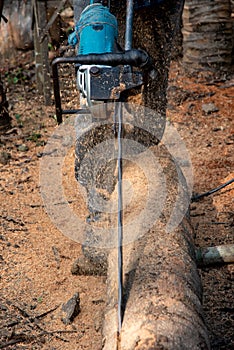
41	51
16	34
207	35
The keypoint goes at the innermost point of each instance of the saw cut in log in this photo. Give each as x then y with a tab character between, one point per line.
222	254
162	289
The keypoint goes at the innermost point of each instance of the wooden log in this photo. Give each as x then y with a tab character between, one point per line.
215	255
162	288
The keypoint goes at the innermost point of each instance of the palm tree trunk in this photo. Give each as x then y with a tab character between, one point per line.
207	35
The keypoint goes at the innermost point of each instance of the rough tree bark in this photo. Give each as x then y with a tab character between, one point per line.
207	35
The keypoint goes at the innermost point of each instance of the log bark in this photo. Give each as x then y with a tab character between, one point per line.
162	287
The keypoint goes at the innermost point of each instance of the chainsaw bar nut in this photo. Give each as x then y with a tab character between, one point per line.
95	71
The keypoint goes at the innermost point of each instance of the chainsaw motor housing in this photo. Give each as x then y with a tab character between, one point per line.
96	31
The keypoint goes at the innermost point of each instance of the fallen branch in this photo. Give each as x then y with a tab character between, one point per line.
215	255
33	321
18	338
11	342
61	332
46	312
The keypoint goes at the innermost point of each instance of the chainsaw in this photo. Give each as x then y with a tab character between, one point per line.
103	69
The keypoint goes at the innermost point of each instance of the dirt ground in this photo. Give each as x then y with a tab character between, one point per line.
36	258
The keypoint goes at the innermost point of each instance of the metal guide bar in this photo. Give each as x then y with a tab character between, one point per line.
120	216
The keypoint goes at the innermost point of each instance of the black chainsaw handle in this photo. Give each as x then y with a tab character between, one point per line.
134	58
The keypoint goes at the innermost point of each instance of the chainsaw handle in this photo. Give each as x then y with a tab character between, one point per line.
135	58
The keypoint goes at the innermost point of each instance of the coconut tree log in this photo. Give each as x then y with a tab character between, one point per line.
207	35
162	288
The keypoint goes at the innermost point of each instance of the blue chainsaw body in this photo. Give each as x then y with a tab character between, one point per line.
96	31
